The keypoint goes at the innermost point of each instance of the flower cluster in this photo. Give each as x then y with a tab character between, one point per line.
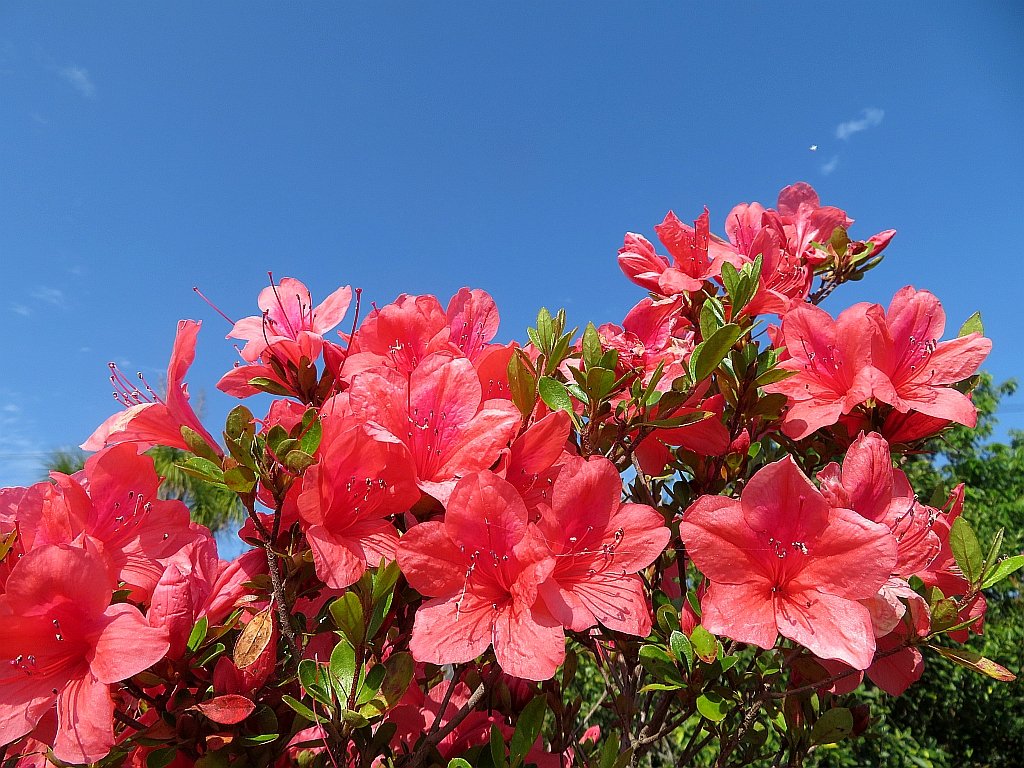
445	528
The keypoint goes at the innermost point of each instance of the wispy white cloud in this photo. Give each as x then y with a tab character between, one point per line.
831	165
21	309
39	119
870	118
79	79
49	295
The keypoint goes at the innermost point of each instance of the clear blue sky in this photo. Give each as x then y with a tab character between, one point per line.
419	147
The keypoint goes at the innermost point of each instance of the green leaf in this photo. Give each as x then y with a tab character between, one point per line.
681	648
497	744
299	708
528	726
269	386
1002	569
545	329
966	549
772	376
599	382
309	441
239	421
343	666
731	279
212	653
705	645
659	663
712	706
204	469
833	725
197	444
353	718
240	479
976	662
312	679
592	349
972	324
159	758
276	437
262	738
609	751
385	578
554	394
399	670
347	612
944	614
298	461
458	762
993	552
522	383
198	634
709	353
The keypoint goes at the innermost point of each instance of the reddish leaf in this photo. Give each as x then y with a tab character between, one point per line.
227	710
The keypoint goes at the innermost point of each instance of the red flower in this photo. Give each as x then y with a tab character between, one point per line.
781	560
346	497
113	505
437	413
288	315
62	642
150	420
868	484
919	366
832	361
599	544
482	567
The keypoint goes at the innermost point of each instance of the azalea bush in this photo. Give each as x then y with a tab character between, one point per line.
684	538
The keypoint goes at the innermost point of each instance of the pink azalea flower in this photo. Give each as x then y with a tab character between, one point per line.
919	366
288	314
437	413
61	642
806	220
473	319
832	360
652	334
358	482
482	566
149	420
183	591
399	335
868	484
781	560
697	256
113	504
599	545
535	458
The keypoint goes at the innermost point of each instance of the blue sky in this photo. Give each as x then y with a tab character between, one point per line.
415	147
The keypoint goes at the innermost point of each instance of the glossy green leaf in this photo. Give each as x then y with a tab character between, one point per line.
712	706
554	394
966	550
709	353
528	726
972	324
1001	569
705	645
833	725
